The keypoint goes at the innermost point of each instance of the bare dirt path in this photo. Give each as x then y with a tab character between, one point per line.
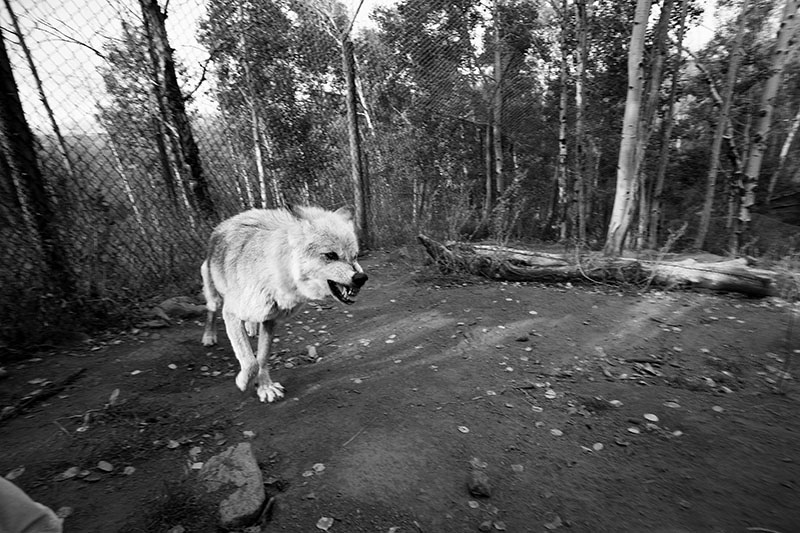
425	380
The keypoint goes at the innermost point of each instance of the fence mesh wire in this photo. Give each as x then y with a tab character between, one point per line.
264	89
128	191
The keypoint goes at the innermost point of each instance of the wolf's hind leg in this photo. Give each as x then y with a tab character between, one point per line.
213	301
267	389
241	348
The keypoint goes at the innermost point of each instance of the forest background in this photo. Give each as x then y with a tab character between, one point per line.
130	129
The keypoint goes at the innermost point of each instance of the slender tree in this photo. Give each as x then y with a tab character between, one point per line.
784	154
723	123
62	144
581	152
666	135
17	146
169	92
784	45
648	118
497	103
561	196
626	188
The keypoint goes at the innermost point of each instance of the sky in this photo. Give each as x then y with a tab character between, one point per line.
62	33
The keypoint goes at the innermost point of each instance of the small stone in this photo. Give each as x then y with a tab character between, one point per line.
478	484
486	525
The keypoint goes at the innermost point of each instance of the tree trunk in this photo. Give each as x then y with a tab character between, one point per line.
722	124
646	128
488	158
783	47
497	106
356	159
511	264
787	144
168	90
579	194
666	137
25	178
559	214
62	145
625	195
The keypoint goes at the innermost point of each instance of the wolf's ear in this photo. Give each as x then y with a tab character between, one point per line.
345	212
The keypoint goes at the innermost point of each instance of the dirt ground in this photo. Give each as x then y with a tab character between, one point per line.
589	408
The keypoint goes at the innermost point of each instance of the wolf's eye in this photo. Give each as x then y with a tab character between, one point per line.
331	256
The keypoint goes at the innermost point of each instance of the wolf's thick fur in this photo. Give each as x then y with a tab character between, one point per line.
263	265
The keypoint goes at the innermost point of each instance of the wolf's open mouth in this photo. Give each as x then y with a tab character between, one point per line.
343	293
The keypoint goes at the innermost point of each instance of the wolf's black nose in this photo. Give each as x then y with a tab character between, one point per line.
359	279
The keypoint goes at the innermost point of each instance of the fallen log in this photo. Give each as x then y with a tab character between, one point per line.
515	264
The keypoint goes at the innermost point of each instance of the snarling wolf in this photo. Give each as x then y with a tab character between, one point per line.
263	265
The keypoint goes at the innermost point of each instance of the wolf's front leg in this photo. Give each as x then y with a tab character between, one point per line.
241	348
267	389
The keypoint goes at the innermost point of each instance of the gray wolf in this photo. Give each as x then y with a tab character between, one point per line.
263	265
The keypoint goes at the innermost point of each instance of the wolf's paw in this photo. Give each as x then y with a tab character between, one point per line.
243	378
209	339
269	392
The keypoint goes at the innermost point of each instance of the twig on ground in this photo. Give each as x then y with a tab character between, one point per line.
351	439
39	396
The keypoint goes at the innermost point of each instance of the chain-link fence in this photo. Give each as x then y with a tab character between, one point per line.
148	129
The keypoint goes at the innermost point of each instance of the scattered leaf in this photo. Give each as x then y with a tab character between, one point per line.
69	473
463	429
554	524
105	466
550	394
473	504
324	523
112	400
129	470
650	417
172	366
318	468
634	430
249	434
477	463
597	446
672	405
556	432
615	403
14	474
64	512
517	468
172	444
500	526
718	409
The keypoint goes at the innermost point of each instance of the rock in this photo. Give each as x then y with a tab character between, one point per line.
234	474
478	484
181	307
486	525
